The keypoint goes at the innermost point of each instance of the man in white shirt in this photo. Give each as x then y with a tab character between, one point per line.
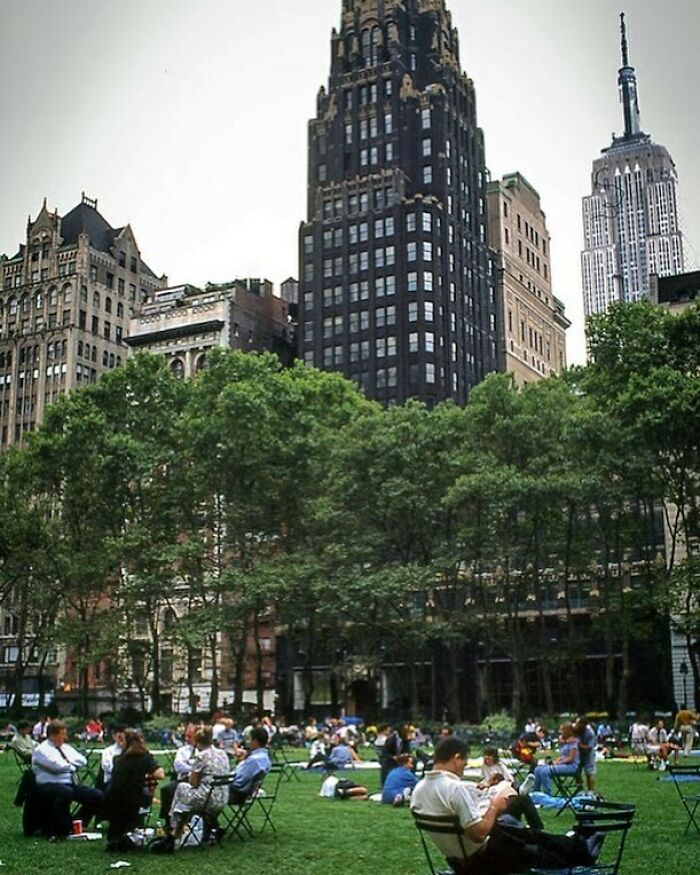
39	730
55	765
486	844
110	753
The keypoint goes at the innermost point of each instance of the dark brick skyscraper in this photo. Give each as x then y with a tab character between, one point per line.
397	284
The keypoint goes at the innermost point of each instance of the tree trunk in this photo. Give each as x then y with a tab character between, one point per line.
452	685
214	689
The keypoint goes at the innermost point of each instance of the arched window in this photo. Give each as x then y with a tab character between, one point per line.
178	368
169	619
96	300
83	294
366	43
67	294
49	351
119	361
201	363
38	300
13	306
108	305
53	296
26	304
376	42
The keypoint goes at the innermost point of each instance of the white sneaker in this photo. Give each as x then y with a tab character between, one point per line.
527	785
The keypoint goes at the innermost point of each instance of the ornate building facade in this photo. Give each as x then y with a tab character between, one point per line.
630	219
397	286
533	321
67	297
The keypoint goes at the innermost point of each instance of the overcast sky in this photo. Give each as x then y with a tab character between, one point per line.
188	119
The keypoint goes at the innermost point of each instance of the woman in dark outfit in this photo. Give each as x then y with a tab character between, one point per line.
134	777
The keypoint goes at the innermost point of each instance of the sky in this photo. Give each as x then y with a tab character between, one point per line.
188	120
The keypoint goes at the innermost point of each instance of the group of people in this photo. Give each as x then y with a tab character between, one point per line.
129	774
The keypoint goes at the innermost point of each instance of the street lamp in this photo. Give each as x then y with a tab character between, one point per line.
683	669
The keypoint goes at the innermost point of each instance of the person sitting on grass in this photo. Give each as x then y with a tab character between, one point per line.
400	781
567	764
318	750
487	844
133	778
342	756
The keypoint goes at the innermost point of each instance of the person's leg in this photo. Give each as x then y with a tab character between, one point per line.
687	740
90	802
590	771
512	849
59	797
523	806
543	779
167	792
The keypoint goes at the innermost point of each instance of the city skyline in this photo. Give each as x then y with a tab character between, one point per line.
190	124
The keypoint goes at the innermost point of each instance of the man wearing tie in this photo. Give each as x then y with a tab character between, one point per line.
55	764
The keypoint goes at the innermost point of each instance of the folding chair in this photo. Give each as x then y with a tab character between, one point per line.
685	779
21	763
235	817
567	787
88	774
611	819
279	756
270	787
439	825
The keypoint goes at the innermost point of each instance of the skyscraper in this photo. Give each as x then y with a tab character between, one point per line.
630	218
397	282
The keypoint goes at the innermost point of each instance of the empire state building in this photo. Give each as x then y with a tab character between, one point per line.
630	219
397	280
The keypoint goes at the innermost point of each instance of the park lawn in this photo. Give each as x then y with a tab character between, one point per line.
319	836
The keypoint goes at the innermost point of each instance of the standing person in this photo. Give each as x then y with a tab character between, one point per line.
684	727
587	746
389	751
133	777
567	764
55	764
39	732
490	846
114	750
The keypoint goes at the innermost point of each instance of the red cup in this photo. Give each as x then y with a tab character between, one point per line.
77	827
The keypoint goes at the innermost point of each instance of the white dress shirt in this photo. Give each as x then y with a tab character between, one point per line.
52	765
108	755
182	764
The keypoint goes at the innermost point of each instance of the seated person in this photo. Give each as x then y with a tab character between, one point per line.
196	795
114	750
182	766
319	749
55	764
133	777
94	731
492	768
639	737
567	764
400	781
22	742
253	766
490	846
498	780
342	755
661	745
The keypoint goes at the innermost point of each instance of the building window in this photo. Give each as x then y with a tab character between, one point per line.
427	174
429	373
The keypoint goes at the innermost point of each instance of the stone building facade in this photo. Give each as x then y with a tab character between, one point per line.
183	323
67	297
533	321
397	286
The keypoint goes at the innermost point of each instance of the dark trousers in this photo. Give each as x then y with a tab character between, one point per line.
514	849
167	794
523	806
60	797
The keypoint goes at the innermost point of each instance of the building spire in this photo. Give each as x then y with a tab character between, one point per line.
627	81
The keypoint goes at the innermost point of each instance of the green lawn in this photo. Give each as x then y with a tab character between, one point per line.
319	836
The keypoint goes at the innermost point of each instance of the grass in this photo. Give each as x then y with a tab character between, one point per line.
319	836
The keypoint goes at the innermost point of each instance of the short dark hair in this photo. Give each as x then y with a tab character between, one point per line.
23	724
55	728
260	735
493	753
120	727
447	747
